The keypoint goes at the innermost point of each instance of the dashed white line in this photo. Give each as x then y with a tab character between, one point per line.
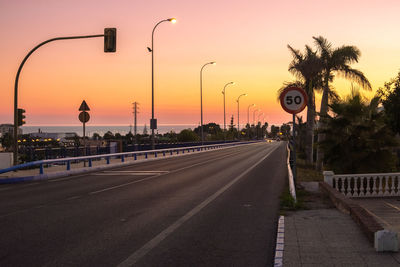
133	173
156	176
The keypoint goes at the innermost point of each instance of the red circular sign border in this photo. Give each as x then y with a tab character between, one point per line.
292	88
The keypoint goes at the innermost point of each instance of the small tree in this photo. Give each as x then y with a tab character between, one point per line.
108	135
145	130
274	131
7	140
96	136
187	135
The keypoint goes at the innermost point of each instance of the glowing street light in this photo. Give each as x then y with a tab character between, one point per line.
248	111
237	100
254	112
259	115
201	98
153	122
223	92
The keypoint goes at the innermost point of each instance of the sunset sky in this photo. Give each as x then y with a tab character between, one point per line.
247	39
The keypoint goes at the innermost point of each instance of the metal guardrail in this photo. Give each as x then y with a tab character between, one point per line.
123	155
292	187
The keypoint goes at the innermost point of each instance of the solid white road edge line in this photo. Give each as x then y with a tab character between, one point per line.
280	242
137	255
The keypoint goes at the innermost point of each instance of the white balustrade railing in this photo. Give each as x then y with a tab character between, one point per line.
365	185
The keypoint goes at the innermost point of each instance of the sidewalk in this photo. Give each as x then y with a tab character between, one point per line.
324	236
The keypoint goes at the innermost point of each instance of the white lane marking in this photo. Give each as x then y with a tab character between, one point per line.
137	255
5	189
66	178
280	242
159	158
121	185
135	171
74	197
156	176
114	173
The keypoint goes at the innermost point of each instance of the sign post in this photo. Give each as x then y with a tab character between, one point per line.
84	117
293	100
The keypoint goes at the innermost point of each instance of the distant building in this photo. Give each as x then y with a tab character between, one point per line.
55	136
8	128
63	138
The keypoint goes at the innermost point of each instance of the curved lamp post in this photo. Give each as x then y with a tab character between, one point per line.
248	120
259	115
223	92
153	122
201	98
248	111
237	100
254	112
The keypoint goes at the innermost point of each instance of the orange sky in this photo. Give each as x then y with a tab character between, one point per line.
247	39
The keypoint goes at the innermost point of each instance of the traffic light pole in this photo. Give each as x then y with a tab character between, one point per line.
15	141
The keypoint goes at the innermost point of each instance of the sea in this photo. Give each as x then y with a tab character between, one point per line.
102	129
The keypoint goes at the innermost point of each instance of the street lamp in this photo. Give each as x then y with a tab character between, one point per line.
201	98
153	122
223	92
259	115
254	112
248	110
237	100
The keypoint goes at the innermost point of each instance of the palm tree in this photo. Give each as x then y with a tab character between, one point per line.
357	140
335	61
307	68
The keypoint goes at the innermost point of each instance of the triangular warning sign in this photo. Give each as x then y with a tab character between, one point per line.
84	106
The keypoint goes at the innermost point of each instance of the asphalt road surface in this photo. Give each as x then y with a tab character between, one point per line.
215	208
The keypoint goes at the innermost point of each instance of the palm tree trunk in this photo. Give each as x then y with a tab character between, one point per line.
309	142
321	137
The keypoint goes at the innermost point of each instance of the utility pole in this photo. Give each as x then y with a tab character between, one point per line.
135	112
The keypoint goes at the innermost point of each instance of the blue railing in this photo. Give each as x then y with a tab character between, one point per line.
34	154
107	157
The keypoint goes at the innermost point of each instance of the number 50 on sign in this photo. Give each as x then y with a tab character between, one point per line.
293	100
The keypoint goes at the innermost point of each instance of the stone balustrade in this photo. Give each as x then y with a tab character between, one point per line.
365	185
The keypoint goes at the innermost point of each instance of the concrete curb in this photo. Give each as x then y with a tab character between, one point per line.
369	225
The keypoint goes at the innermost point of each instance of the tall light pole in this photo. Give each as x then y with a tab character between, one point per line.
201	98
248	111
237	100
254	113
153	122
259	115
223	92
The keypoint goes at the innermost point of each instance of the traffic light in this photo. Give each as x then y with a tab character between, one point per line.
21	116
110	39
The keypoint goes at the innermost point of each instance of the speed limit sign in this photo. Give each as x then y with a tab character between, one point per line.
293	100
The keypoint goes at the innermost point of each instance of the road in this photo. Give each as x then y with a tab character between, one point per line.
215	208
